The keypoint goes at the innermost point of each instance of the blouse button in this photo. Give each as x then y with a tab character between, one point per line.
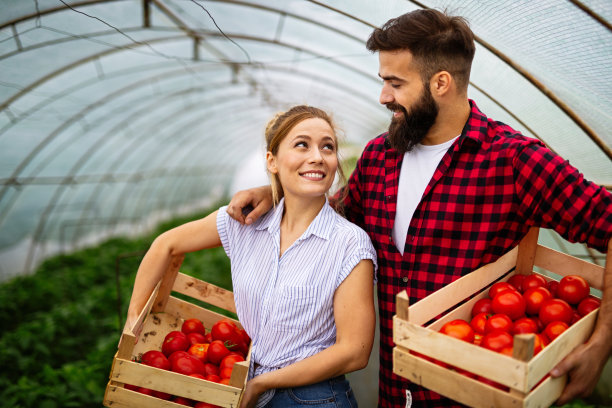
405	279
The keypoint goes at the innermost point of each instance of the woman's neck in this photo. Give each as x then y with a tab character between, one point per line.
297	215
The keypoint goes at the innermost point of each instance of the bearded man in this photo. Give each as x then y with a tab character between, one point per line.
448	190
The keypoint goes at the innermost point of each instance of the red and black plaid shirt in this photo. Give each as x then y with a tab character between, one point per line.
489	188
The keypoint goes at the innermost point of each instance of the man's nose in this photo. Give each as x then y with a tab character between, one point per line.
386	96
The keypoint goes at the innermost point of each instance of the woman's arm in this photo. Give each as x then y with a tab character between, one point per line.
355	319
189	237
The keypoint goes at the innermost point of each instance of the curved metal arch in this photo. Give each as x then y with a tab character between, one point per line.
525	74
51	205
573	116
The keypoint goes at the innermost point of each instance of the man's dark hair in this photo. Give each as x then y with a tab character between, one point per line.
437	42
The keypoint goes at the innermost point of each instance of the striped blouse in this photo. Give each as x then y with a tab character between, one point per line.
286	304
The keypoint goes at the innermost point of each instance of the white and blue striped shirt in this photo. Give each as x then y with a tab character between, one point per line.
286	304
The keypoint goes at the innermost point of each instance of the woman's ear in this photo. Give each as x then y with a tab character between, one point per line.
271	163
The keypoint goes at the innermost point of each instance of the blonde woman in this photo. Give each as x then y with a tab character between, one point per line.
302	275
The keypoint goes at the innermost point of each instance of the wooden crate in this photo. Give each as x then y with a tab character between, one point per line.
521	374
162	314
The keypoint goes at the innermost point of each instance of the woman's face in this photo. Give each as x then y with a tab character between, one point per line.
306	161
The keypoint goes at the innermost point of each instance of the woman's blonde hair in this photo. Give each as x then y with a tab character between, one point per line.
280	126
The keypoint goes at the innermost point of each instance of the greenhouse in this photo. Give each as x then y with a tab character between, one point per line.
120	119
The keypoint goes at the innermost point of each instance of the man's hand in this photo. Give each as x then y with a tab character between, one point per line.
247	206
583	367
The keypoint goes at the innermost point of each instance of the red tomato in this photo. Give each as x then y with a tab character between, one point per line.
193	326
459	329
478	323
183	401
533	280
498	322
213	378
198	375
227	332
499	287
482	306
199	351
226	372
216	351
175	341
211	369
245	336
510	303
131	387
552	286
555	309
230	360
197	338
187	364
224	381
176	355
509	351
554	329
534	297
524	325
517	281
155	358
539	343
208	338
153	393
587	305
573	289
497	340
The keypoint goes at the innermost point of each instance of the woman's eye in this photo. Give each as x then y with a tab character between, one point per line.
329	146
301	144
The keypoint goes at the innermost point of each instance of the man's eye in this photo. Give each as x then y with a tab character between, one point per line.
395	86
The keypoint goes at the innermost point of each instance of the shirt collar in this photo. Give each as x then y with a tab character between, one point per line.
321	226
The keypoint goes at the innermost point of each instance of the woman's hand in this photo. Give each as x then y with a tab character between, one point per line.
252	391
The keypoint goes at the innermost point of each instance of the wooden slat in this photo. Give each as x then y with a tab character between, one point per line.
167	283
546	393
188	310
447	297
526	252
498	367
129	372
450	383
204	291
553	353
563	264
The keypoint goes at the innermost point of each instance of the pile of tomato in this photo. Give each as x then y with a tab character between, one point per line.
194	352
521	305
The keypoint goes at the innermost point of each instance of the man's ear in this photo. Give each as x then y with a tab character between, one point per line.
271	163
440	83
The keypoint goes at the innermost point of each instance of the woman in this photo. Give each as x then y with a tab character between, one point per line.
302	275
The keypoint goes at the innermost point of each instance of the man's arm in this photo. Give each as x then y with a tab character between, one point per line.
247	206
586	362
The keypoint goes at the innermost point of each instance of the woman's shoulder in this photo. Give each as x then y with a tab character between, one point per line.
347	229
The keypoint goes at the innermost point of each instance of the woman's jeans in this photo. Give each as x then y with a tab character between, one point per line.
332	393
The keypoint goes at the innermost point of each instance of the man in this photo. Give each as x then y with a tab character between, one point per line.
447	190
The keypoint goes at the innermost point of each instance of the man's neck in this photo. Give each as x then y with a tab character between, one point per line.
449	123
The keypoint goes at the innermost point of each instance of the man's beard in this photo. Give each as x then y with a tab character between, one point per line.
407	132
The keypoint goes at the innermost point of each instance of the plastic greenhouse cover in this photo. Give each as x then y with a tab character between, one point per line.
110	121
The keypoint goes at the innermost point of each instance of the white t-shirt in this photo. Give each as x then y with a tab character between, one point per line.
418	168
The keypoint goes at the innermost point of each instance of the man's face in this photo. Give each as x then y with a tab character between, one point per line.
404	93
